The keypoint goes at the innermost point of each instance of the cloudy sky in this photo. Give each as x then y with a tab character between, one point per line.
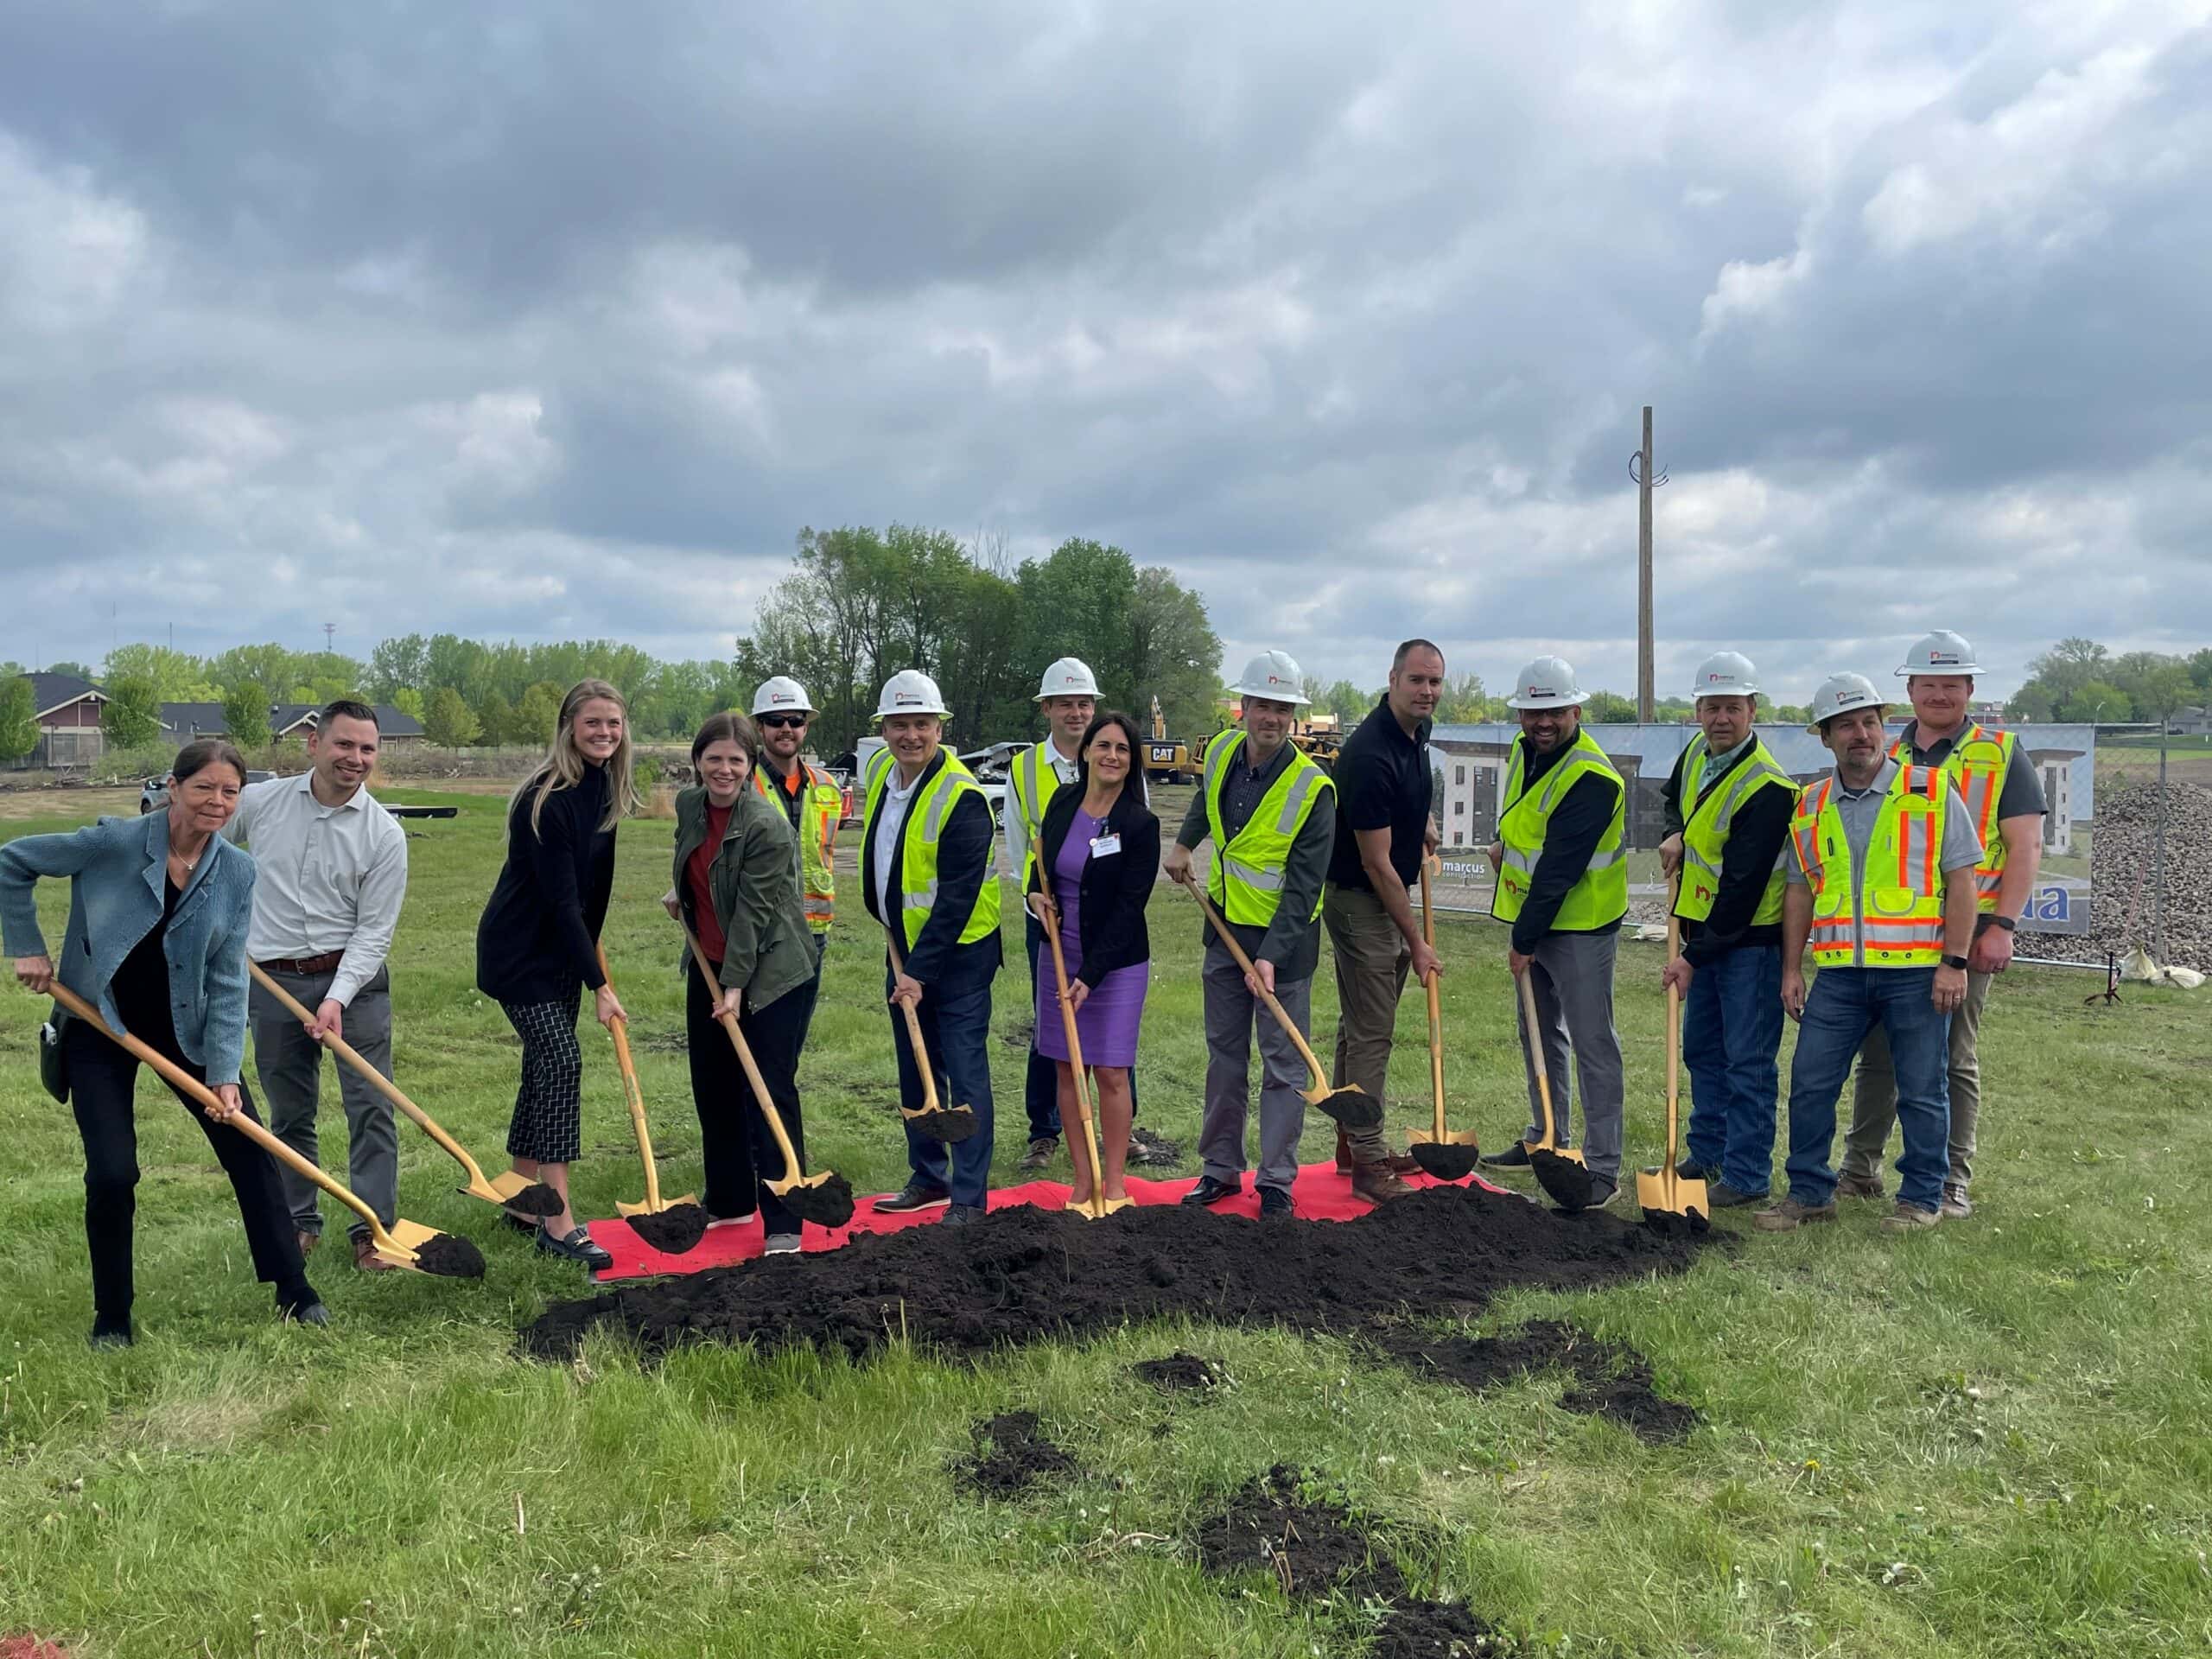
548	320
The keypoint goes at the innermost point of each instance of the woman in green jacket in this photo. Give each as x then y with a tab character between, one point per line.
737	890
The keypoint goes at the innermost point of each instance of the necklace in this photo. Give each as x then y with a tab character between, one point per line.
192	863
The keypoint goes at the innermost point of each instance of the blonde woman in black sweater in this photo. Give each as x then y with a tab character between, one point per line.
537	947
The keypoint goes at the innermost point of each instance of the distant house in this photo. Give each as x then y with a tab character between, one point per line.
183	722
2192	722
68	714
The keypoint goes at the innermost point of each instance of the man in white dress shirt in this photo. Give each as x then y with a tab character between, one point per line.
333	874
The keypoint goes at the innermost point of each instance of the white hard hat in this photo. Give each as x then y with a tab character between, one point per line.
1839	694
781	694
1939	653
1548	682
1274	675
1726	673
1069	677
909	691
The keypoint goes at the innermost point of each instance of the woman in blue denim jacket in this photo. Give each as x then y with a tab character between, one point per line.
158	908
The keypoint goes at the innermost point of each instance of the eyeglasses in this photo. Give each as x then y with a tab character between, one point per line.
778	721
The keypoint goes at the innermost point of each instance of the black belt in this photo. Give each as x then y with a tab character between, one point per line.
304	967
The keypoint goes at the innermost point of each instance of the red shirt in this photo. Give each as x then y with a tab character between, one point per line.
709	924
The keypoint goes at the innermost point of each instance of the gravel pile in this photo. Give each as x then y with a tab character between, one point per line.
2119	871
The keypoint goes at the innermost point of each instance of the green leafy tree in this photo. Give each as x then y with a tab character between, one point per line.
1608	709
496	718
75	670
18	719
1173	654
396	664
175	675
131	717
2160	691
1347	702
408	702
246	716
538	714
1464	703
2097	700
449	722
2199	669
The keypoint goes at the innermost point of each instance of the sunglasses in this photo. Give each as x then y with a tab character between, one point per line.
778	721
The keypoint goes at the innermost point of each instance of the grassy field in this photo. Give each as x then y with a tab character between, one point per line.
1988	1440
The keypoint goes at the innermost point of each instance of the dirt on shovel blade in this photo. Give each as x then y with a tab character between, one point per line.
673	1230
826	1204
1353	1107
536	1199
1447	1161
1569	1182
1010	1453
1023	1273
950	1127
450	1257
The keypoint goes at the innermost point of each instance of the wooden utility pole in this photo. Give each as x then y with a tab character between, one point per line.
1645	705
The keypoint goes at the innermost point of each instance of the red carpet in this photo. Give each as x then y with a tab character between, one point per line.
1321	1193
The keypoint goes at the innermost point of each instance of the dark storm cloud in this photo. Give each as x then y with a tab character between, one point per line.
564	319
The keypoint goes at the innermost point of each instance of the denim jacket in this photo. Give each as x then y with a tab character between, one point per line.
120	867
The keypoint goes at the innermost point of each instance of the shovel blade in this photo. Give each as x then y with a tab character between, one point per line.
1352	1107
627	1210
825	1199
1565	1177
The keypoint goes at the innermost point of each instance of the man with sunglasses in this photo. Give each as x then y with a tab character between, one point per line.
809	799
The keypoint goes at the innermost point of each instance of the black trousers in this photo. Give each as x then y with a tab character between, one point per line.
740	1155
103	1078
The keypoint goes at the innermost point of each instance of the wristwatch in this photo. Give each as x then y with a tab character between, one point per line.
2010	923
1959	963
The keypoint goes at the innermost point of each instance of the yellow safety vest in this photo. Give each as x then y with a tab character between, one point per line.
1707	819
1246	879
1978	761
924	823
821	804
1034	780
1601	895
1895	918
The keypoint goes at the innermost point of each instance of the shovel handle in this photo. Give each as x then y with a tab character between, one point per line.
1236	950
1550	1142
913	1032
1052	919
744	1060
1674	1032
619	1030
375	1079
178	1078
1435	1007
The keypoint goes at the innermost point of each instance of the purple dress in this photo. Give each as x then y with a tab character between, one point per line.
1106	1022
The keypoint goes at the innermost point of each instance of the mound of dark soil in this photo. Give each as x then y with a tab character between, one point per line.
1610	1379
1022	1272
450	1257
673	1230
1314	1547
1010	1453
1179	1372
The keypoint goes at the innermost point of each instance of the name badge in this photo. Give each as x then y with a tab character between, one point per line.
1102	845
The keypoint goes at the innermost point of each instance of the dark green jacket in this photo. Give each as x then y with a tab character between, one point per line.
754	880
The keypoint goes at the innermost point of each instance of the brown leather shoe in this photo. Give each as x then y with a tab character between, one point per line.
1343	1154
365	1257
1402	1163
307	1242
1375	1183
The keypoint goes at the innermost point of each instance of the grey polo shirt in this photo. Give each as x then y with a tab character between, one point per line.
1861	808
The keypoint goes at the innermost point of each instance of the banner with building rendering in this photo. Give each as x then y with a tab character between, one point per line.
1469	762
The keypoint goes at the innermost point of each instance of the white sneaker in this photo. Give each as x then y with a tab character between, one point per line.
744	1220
783	1244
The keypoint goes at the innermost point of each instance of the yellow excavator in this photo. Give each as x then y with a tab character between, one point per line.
1166	759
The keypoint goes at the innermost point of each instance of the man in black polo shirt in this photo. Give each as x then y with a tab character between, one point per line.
1383	832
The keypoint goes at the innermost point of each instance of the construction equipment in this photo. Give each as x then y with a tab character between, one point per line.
825	1199
1098	1205
1439	1153
1558	1170
1661	1192
406	1244
1166	759
950	1125
1351	1106
1320	739
654	1204
509	1189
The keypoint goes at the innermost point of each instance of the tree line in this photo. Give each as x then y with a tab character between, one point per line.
2078	679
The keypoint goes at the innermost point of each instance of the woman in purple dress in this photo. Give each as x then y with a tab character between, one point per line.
1099	846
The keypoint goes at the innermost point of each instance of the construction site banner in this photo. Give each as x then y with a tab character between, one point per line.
1469	764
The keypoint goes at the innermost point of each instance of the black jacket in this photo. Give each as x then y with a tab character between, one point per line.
964	847
1115	888
538	939
1578	825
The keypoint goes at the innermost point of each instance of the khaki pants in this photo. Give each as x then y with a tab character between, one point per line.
1874	1101
1372	960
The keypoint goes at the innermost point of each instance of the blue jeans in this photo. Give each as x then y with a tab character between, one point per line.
1845	1005
956	1019
1732	1033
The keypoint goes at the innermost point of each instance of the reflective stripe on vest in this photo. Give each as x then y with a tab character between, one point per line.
1034	780
1708	821
1246	880
1894	918
925	824
1978	761
820	806
1599	895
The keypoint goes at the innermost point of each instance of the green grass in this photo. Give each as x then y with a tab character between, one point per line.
1989	1441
